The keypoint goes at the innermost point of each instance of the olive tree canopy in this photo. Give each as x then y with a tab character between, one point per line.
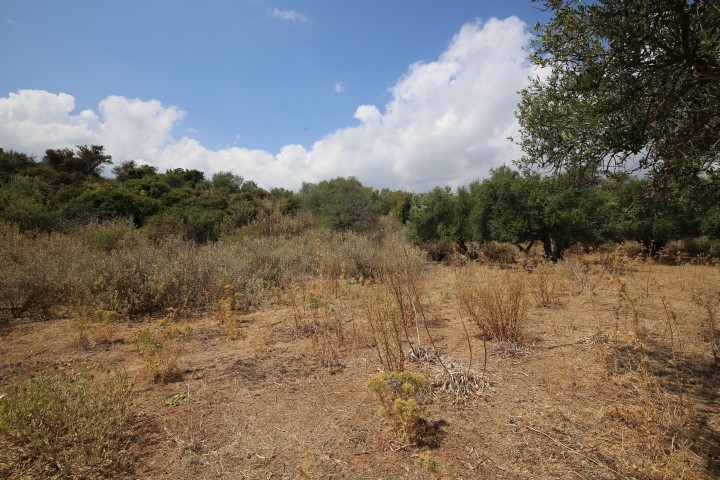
629	85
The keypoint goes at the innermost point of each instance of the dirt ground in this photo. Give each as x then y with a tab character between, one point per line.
570	402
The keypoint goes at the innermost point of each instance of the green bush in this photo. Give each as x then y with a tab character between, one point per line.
399	404
113	235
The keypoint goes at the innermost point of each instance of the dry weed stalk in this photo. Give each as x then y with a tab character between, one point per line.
461	382
495	303
315	314
545	284
710	303
186	429
231	305
577	271
665	418
161	346
95	328
386	326
405	285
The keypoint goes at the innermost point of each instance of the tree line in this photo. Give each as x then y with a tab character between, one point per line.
65	190
561	210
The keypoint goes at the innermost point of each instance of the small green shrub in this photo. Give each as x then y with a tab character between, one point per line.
111	235
429	462
399	404
161	347
65	426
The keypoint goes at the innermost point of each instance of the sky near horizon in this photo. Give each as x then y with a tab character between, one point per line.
399	93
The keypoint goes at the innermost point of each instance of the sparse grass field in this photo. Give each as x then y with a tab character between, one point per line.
610	371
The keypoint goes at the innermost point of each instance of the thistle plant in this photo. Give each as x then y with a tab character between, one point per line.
399	405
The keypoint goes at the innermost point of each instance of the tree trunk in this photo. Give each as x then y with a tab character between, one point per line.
553	251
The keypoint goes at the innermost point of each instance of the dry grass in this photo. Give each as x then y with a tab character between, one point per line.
619	380
495	301
65	425
547	285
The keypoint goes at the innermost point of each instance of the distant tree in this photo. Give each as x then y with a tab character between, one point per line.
557	211
396	203
179	177
341	204
506	208
152	186
227	182
130	170
24	201
194	224
573	210
631	85
111	203
435	216
285	201
87	160
12	163
660	219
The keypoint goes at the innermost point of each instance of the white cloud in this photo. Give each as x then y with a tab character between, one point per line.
288	16
136	128
35	120
447	122
339	87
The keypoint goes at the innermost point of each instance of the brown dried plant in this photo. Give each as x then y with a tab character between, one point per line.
495	301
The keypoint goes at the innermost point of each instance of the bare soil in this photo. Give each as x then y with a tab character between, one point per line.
570	402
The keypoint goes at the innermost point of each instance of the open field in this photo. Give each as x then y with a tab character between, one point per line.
614	376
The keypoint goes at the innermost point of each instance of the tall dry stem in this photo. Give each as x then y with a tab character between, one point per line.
496	302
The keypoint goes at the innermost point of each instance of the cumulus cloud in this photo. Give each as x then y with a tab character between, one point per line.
339	87
288	16
35	120
447	123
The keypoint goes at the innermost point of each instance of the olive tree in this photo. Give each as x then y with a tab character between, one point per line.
631	85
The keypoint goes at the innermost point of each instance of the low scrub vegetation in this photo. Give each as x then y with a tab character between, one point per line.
65	425
250	321
131	274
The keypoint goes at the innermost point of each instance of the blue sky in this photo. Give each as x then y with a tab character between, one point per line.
404	94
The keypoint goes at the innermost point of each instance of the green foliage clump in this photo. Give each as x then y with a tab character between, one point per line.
632	85
66	425
341	204
436	216
398	394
